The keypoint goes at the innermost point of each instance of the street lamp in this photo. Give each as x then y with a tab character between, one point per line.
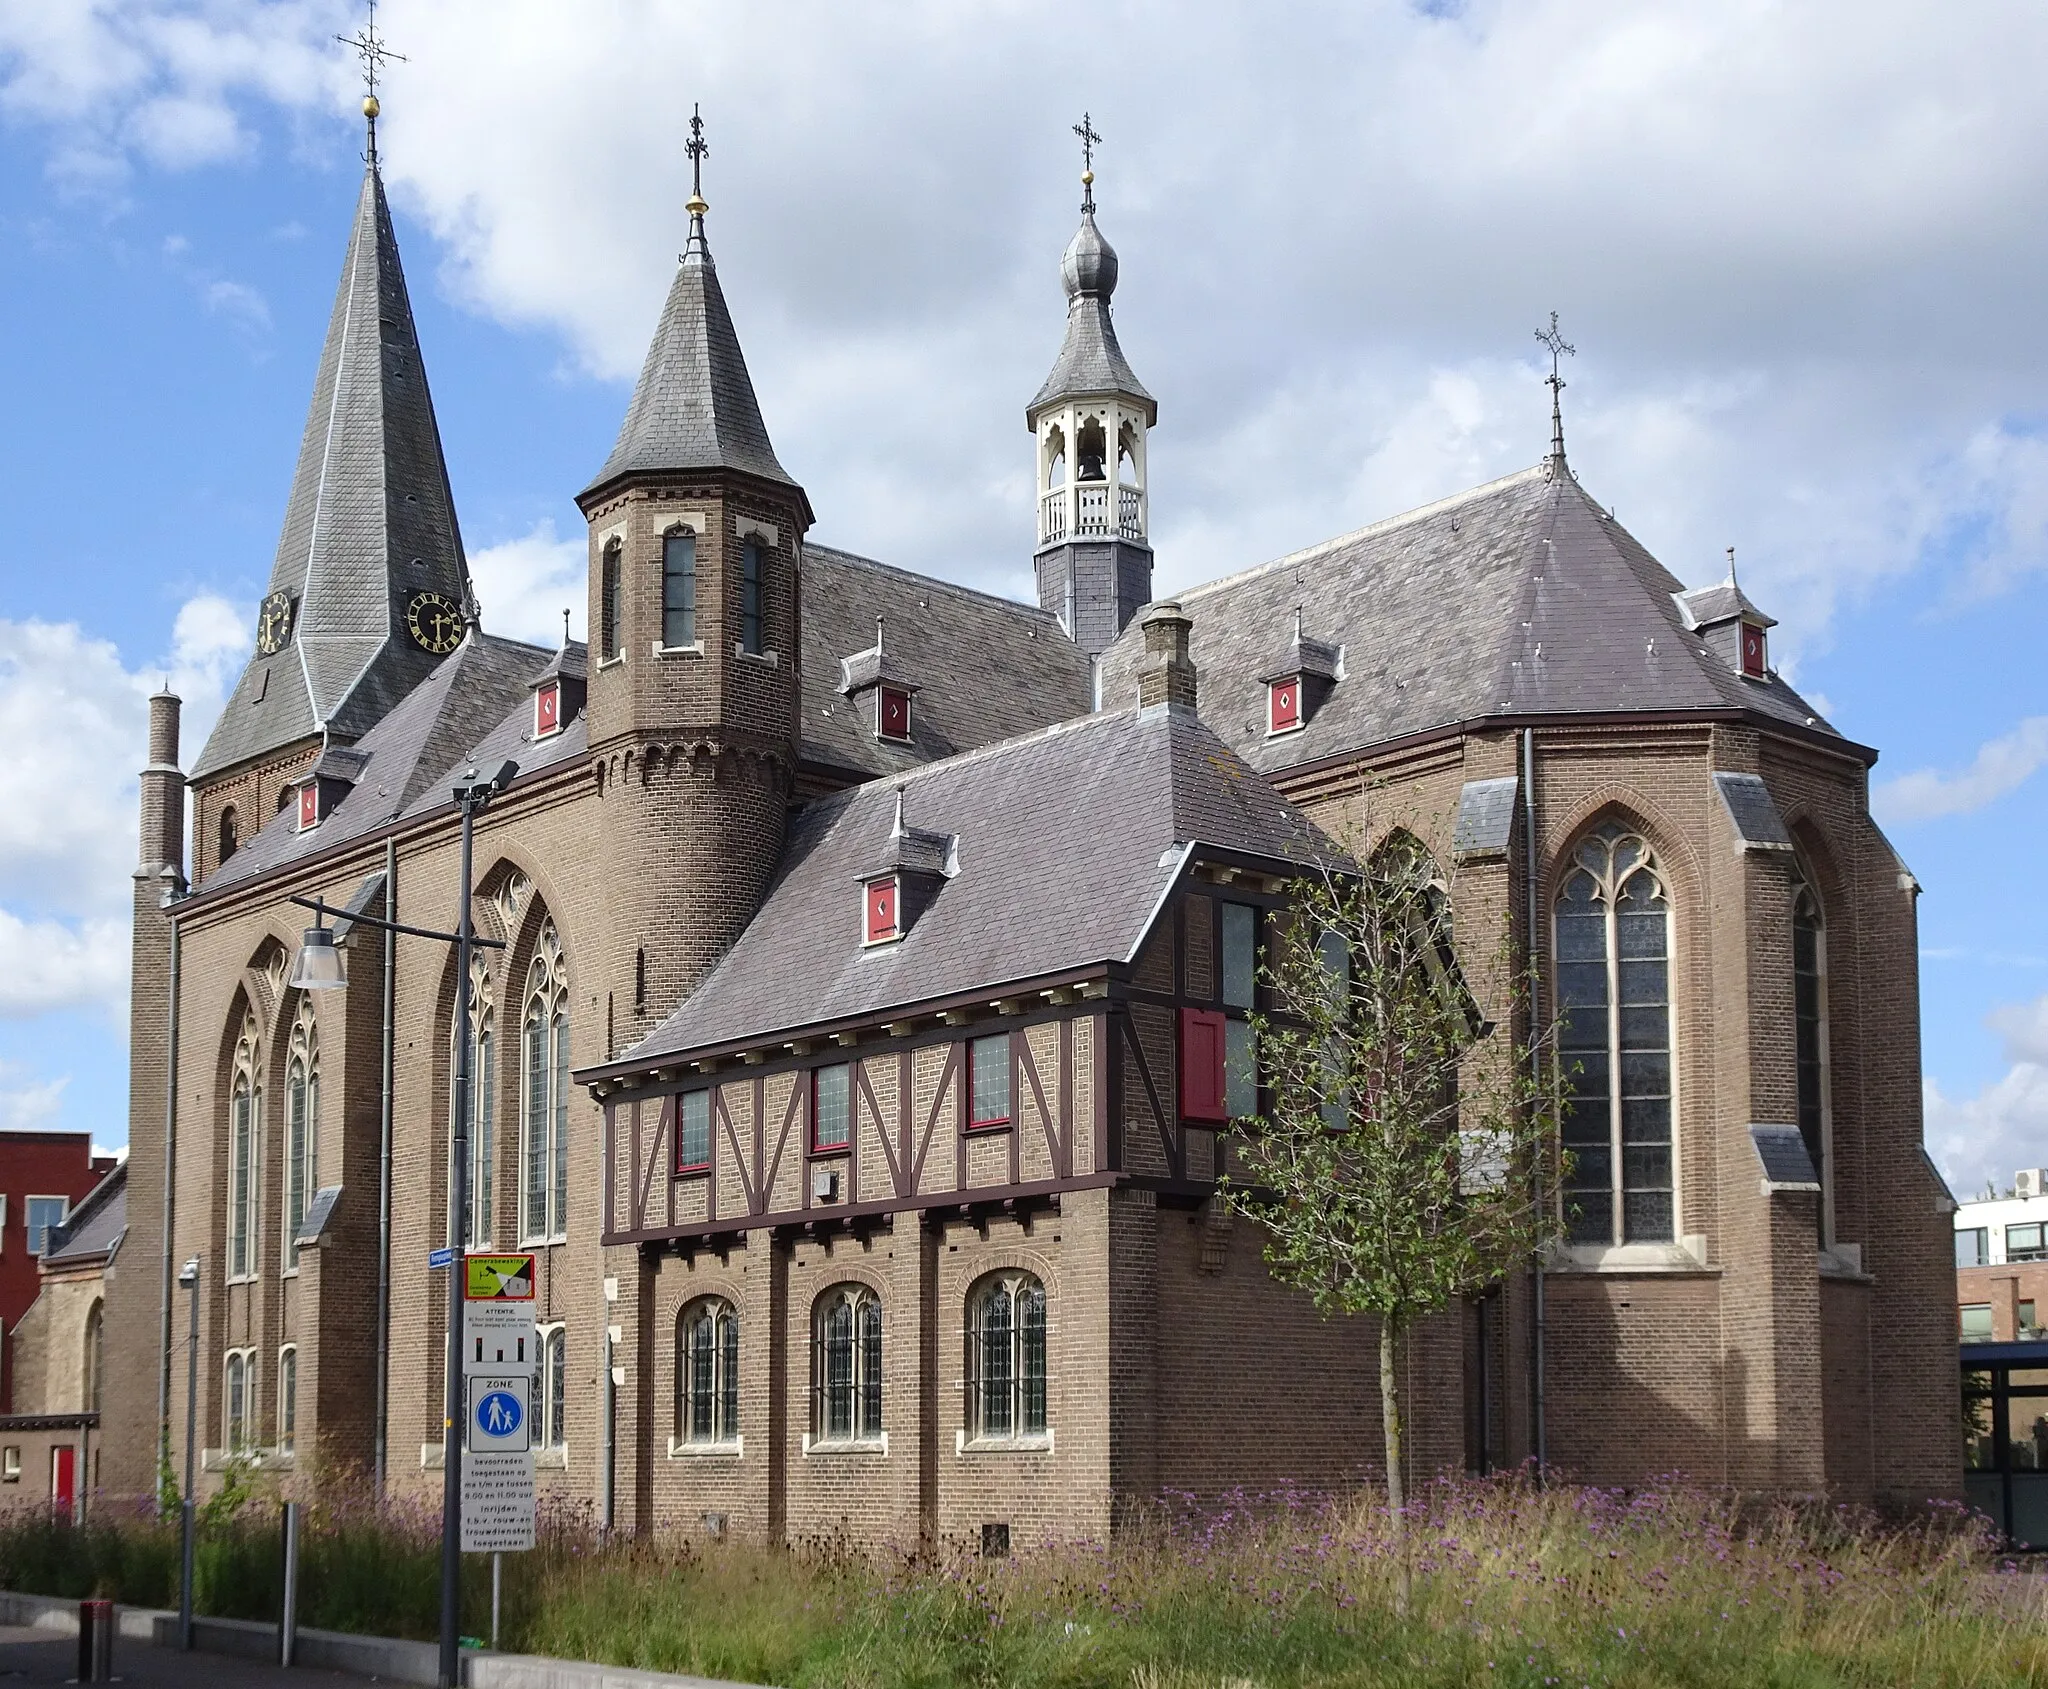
188	1281
319	967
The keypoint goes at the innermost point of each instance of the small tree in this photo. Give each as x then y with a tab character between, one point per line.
1392	1168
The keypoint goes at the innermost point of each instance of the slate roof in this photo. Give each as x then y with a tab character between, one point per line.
1521	597
1090	360
1043	885
477	703
94	1228
369	523
694	405
986	668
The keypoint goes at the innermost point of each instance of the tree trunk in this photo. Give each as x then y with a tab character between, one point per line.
1397	1500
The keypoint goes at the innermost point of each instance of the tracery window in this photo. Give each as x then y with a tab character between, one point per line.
1810	1023
846	1366
480	1211
544	1120
1006	1358
245	1123
1613	938
301	1126
708	1373
679	589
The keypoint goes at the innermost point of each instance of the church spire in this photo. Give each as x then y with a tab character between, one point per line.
694	405
369	585
1558	347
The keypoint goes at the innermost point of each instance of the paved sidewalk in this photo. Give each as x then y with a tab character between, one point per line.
37	1657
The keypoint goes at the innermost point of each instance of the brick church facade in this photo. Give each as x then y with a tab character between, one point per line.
859	1058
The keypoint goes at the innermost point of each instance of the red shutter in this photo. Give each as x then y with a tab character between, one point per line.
895	713
1752	650
1201	1065
547	709
1285	700
881	907
309	805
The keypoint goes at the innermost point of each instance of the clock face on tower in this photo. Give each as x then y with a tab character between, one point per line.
435	622
273	624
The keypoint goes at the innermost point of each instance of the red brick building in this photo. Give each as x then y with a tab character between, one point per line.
865	1035
43	1176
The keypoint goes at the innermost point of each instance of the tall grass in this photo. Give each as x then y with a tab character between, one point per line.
1512	1586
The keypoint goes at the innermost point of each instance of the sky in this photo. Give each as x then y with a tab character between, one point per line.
1798	247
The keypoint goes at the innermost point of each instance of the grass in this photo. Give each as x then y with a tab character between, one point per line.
1513	1586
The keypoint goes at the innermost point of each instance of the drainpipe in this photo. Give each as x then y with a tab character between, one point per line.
163	1371
1536	1309
384	1170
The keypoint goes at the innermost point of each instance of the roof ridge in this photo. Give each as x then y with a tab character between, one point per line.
975	753
1384	525
996	598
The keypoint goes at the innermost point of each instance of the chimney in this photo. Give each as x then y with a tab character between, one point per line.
1167	674
163	792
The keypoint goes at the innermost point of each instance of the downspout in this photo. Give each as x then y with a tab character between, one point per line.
1536	1309
163	1371
384	1170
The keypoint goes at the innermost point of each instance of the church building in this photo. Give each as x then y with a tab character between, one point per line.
861	1032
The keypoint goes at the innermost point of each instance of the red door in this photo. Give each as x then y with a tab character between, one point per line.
63	1480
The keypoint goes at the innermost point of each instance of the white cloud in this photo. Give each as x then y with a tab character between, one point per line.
524	584
239	302
2000	766
2005	1125
26	1102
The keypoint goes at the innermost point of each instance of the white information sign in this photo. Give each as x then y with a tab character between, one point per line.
497	1503
498	1357
497	1337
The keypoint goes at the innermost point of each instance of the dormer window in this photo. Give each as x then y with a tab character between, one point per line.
547	709
892	714
880	912
1754	655
309	806
1283	705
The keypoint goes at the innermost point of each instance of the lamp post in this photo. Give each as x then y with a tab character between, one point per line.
188	1280
319	967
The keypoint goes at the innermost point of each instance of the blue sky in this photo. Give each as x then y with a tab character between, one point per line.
1798	249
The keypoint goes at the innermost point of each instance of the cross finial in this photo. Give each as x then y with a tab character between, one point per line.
370	48
696	147
1558	347
1090	140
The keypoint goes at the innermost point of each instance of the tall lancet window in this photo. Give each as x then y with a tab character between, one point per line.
245	1132
1613	935
679	589
1810	1025
479	1215
544	1119
301	1126
609	570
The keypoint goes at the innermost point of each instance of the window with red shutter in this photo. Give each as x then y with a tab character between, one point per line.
893	714
881	911
309	805
1284	705
547	710
1752	651
1201	1065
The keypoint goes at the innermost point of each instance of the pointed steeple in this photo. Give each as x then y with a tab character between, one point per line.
370	562
694	406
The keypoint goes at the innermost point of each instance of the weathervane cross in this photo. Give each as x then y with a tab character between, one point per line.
696	147
1558	347
1090	140
369	46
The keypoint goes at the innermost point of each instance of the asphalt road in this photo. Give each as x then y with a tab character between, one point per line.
37	1657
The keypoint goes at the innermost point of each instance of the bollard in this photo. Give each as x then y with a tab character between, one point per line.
288	1615
95	1641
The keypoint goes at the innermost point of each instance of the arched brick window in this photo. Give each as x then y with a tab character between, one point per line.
1810	1026
245	1129
479	1217
544	1116
301	1126
708	1373
846	1366
1006	1358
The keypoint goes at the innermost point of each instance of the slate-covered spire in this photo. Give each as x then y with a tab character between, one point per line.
694	406
369	531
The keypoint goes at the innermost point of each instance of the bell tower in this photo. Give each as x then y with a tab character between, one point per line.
695	534
1089	425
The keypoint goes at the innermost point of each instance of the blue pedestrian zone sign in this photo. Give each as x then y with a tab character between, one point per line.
498	1415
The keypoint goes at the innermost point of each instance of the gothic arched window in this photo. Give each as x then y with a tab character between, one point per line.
288	1398
552	1431
239	1407
1006	1358
1810	1026
846	1366
708	1373
95	1355
301	1126
480	1213
230	837
245	1125
544	1118
679	589
1613	936
610	568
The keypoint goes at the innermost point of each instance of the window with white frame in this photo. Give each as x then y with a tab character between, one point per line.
846	1366
239	1401
245	1134
479	1216
1006	1358
708	1373
552	1431
301	1125
1810	1025
988	1067
44	1214
693	1132
288	1398
544	1120
1613	949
